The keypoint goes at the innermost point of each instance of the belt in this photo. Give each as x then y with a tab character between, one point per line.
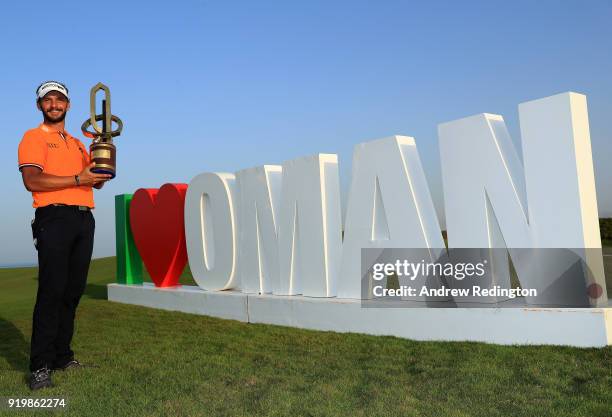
80	208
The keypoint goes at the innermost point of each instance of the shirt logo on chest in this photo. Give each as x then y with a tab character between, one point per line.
53	145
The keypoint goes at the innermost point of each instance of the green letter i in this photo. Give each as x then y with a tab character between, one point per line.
129	263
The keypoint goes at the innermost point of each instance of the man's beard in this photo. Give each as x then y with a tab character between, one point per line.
57	119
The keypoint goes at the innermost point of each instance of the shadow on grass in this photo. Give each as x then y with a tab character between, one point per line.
13	346
96	291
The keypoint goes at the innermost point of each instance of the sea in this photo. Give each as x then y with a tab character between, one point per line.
18	265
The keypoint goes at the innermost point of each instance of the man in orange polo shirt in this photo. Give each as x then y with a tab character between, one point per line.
55	167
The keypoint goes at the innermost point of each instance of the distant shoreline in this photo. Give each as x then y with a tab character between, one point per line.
18	265
35	264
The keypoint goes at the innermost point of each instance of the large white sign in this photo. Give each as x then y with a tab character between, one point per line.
278	229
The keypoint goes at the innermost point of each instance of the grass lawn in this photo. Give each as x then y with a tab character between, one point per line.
158	363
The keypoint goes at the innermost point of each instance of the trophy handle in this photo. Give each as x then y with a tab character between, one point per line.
106	113
99	117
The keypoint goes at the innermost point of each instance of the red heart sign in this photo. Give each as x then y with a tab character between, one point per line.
157	222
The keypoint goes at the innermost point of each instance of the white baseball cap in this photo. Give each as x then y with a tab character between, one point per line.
49	86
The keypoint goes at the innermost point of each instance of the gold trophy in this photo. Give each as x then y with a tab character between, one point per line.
102	151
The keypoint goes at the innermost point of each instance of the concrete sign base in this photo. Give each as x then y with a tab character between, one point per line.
582	327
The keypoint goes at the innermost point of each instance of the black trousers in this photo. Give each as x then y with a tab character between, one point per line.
64	237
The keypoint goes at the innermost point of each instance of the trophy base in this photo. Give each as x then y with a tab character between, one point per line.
104	155
104	171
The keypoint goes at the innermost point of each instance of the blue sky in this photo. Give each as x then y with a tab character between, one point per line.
222	86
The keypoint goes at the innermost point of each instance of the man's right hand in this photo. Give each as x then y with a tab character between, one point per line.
88	178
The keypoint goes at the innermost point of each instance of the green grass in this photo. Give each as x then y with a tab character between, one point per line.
158	363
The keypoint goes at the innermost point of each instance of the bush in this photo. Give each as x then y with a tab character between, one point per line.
605	227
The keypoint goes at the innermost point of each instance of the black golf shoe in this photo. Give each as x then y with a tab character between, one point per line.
41	378
71	364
